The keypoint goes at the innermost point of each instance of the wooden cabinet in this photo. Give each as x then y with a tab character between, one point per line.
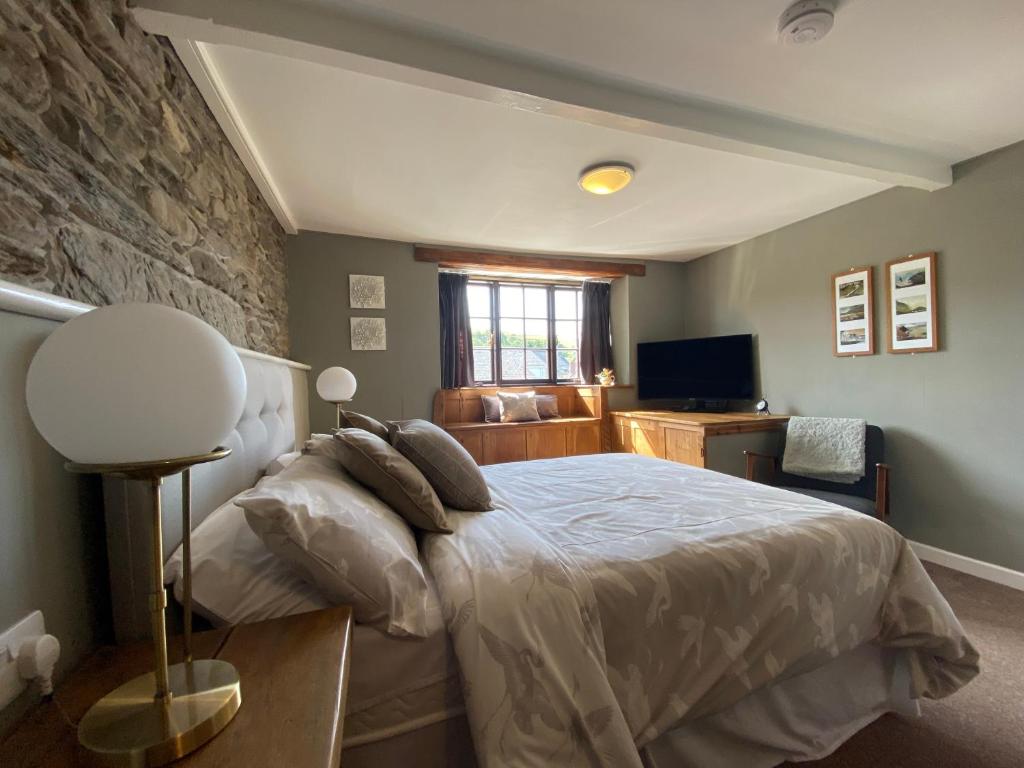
504	445
697	439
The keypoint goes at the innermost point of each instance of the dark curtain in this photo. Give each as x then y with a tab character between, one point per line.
596	333
456	337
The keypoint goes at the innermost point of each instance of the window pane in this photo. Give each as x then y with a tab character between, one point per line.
511	301
512	364
567	362
537	334
565	334
536	302
579	334
565	304
511	333
537	364
579	303
479	300
482	365
481	329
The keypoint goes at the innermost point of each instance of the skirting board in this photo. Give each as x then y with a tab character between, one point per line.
997	573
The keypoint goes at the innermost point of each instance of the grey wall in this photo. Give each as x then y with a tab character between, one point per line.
398	383
116	183
52	548
953	420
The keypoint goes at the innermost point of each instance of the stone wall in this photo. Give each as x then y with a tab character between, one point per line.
116	183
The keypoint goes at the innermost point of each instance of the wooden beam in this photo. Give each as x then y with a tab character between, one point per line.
521	262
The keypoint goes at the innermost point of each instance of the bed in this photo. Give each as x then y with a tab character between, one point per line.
618	610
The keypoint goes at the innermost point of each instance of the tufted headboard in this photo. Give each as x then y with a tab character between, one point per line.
275	420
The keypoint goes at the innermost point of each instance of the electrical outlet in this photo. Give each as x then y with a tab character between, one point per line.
11	683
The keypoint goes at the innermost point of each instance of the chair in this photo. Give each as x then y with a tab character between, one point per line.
870	494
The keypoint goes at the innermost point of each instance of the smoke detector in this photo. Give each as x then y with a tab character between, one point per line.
806	22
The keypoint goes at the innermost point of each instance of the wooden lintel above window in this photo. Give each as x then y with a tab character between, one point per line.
522	262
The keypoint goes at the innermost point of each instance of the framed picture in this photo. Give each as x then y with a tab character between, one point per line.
366	291
368	334
853	312
912	312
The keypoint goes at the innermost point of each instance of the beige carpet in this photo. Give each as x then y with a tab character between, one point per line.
982	725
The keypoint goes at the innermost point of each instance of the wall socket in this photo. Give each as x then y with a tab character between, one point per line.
11	683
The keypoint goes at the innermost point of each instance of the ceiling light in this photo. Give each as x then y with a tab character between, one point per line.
806	21
606	178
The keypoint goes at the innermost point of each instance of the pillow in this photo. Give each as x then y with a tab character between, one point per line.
492	408
343	539
448	467
281	462
353	420
235	578
547	406
391	476
518	406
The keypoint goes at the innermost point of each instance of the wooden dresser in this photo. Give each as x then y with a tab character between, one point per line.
293	671
699	439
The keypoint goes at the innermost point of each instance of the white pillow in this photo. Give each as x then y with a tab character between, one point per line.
343	539
281	462
235	578
518	406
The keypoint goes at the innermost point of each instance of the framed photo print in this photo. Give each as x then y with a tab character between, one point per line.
912	312
853	312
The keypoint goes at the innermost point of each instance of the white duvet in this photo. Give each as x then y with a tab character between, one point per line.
608	598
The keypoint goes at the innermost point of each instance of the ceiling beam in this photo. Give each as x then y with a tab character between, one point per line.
526	263
364	43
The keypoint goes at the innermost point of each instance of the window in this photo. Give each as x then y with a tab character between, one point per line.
525	333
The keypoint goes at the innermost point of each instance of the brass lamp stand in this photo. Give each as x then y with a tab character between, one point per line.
165	714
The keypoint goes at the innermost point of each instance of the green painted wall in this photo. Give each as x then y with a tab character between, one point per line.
952	419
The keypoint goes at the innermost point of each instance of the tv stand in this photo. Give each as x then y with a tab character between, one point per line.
710	440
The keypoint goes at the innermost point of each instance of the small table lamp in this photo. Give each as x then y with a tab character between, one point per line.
336	385
143	391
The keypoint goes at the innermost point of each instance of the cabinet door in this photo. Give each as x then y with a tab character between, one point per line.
648	438
684	446
622	435
501	445
584	439
473	442
546	443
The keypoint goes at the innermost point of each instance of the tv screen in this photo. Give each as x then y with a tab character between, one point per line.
720	367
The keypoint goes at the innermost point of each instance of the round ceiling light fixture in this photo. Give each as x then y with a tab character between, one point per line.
806	22
606	178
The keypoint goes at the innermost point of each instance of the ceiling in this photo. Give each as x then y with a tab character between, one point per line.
390	137
361	155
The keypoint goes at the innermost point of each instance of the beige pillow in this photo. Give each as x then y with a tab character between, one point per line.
351	419
444	462
518	406
395	479
340	537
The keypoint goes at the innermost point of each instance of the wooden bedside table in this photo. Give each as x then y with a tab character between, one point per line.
294	676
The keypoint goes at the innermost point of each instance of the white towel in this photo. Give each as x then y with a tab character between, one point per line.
825	449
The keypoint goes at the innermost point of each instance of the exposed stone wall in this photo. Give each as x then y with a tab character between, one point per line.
116	183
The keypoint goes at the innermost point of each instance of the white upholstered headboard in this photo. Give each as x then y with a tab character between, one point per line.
275	420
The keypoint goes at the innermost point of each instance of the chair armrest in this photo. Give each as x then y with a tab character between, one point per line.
882	491
753	457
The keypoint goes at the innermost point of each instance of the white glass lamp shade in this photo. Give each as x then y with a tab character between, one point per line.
135	382
336	385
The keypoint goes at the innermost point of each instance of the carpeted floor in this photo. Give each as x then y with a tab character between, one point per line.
982	725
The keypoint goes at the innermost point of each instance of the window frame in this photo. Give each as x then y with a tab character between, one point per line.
493	285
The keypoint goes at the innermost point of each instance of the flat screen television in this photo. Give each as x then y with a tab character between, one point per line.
719	367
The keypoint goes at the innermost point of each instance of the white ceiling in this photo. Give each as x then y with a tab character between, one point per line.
363	131
360	155
941	75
